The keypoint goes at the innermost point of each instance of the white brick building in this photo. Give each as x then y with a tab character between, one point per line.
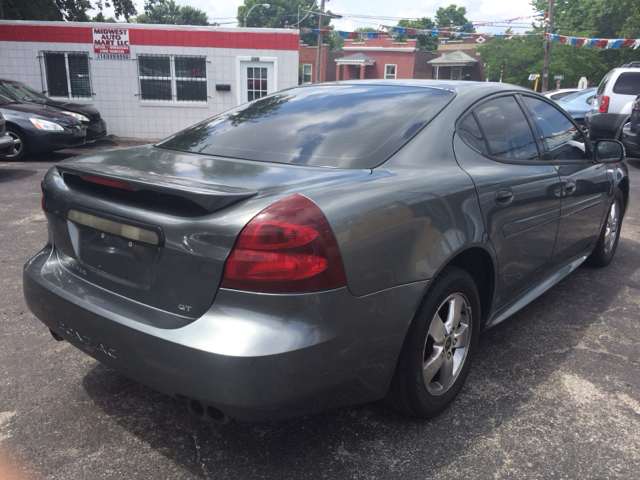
149	81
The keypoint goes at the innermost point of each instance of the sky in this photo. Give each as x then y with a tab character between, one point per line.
224	11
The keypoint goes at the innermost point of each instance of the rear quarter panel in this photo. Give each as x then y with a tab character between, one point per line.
403	223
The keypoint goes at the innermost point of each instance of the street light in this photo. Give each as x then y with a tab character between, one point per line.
265	5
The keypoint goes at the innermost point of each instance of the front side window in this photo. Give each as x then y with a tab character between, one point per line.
565	141
172	78
67	74
306	73
506	129
390	71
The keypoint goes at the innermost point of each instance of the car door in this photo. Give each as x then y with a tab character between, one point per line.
519	192
584	182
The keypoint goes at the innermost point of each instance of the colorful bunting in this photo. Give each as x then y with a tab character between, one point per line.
394	31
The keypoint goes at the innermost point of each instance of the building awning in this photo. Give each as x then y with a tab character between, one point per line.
356	59
454	59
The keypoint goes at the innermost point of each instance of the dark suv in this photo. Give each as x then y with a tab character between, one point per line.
89	116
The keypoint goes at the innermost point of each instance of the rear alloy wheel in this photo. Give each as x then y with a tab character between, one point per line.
610	234
437	352
19	145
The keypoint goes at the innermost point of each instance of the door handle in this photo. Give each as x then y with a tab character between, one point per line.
504	197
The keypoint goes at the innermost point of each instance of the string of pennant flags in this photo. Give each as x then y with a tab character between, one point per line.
457	32
602	43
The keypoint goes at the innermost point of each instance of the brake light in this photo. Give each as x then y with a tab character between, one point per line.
107	182
288	247
604	104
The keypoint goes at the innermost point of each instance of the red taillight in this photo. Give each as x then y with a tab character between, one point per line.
288	247
604	104
107	182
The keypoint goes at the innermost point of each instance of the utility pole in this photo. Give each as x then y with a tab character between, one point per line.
547	49
319	54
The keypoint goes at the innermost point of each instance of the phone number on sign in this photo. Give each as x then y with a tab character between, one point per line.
113	56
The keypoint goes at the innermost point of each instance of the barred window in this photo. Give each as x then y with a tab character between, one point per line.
67	74
172	78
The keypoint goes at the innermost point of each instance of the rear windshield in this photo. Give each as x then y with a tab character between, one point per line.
343	126
628	83
558	96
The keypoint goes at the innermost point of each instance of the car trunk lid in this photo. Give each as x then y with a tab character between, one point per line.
156	226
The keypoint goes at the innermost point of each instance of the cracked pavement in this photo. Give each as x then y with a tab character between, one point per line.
554	392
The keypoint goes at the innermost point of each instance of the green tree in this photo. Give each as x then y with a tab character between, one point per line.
99	17
283	13
425	42
67	10
596	19
515	59
167	12
31	10
451	16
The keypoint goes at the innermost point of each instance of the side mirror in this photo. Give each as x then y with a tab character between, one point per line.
609	151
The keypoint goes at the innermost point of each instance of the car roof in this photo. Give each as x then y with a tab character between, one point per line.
457	86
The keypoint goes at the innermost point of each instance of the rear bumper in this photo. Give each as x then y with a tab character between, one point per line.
254	356
96	129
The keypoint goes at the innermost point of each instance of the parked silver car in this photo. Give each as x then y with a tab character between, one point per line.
323	246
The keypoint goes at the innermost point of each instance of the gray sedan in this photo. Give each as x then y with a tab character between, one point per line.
323	246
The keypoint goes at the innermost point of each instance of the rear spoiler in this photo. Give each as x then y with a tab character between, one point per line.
209	196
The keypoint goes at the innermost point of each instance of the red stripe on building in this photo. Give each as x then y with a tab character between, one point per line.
144	36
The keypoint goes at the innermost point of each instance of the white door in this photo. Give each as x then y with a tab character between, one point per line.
256	80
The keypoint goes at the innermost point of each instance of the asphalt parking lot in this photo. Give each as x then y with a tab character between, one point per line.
554	392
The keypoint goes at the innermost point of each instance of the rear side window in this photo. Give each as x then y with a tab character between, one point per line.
506	129
628	83
343	126
603	84
471	134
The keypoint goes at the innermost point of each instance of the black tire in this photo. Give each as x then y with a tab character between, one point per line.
606	246
619	132
409	391
20	145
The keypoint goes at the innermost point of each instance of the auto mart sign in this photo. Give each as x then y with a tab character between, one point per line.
111	43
